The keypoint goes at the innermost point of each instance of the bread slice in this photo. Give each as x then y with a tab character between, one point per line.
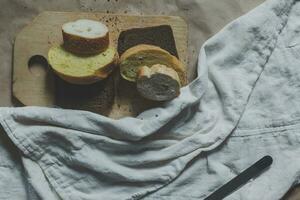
148	55
97	97
82	70
158	83
161	36
85	37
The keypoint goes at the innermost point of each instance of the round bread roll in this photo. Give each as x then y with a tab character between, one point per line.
82	70
158	83
148	55
85	37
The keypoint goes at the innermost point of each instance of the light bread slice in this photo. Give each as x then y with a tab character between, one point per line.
158	83
82	70
148	55
85	37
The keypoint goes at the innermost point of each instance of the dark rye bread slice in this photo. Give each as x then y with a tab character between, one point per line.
161	36
97	97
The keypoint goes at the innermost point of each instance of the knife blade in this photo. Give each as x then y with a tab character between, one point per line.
241	179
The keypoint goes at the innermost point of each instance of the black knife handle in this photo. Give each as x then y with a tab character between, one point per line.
241	179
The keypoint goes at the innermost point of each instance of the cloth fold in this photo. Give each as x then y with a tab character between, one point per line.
87	156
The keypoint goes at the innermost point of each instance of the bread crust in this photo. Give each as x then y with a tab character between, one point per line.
175	63
100	74
158	69
83	45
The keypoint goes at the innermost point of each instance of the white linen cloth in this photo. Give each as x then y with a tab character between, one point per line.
245	93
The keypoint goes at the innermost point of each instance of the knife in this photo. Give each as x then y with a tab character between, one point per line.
241	179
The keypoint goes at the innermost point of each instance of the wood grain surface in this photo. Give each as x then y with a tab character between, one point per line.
34	84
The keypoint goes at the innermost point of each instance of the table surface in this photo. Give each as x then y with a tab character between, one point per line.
215	14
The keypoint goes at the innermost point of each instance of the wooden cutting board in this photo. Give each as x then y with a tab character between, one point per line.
34	84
